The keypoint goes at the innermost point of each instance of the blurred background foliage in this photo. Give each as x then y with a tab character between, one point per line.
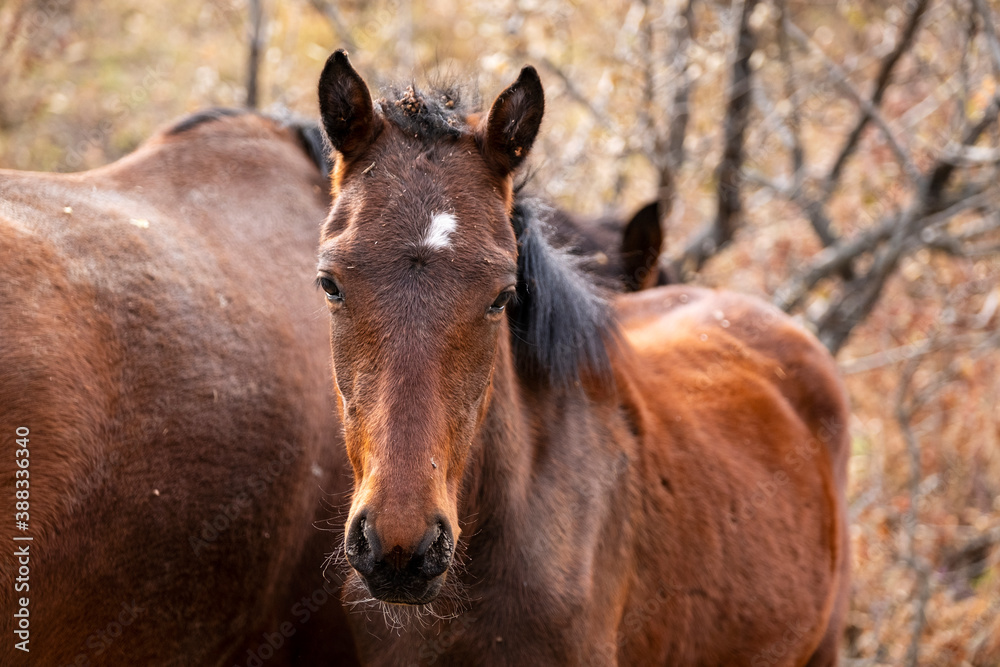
84	82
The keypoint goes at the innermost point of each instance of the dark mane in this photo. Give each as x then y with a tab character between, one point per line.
561	322
309	133
314	143
197	118
428	115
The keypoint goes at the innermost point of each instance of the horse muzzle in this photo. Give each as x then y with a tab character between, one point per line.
397	574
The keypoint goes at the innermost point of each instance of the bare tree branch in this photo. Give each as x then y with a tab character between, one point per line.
792	94
734	129
920	568
860	296
574	92
991	33
681	112
669	156
815	208
255	35
972	339
830	261
647	113
962	244
711	238
833	259
909	399
330	13
645	48
946	166
881	84
868	109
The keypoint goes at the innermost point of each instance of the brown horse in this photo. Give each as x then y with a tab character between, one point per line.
165	378
541	476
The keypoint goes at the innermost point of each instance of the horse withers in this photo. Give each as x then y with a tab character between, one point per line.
170	376
544	474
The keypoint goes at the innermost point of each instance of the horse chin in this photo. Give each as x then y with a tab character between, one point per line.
412	593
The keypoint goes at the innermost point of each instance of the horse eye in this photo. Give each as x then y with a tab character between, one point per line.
329	286
501	302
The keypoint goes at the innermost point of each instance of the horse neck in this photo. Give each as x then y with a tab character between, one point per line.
511	455
496	481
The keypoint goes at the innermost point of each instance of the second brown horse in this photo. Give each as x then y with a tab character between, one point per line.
163	365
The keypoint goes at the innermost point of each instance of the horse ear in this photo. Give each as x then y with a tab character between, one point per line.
642	241
513	122
345	106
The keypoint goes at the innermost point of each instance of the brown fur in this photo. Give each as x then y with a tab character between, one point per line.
675	497
159	340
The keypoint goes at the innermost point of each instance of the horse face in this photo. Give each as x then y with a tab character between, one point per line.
418	261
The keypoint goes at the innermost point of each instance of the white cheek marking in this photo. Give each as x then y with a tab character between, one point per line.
438	234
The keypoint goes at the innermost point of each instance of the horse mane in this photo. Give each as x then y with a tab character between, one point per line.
561	322
201	117
311	137
314	142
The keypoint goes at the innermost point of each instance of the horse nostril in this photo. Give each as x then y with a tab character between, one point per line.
358	547
437	557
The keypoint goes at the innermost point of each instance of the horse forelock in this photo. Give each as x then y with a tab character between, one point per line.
428	114
315	144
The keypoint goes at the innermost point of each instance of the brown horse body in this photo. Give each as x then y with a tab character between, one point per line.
544	479
157	341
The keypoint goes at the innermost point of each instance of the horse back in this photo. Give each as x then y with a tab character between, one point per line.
735	324
743	464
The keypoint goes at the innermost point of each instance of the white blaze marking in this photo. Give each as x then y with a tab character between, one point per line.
439	231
